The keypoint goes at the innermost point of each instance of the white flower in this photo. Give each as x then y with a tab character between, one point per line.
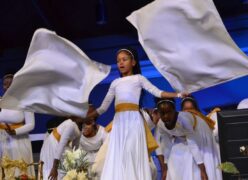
71	175
242	148
81	176
77	154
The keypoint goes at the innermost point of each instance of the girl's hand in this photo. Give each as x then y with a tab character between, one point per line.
182	95
53	174
204	175
164	172
9	130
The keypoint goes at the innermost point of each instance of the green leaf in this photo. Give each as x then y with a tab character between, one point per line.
228	167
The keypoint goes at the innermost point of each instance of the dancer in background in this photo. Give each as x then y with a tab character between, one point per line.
92	138
193	153
56	143
189	103
14	129
127	154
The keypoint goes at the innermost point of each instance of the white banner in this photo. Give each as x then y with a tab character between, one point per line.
57	78
188	43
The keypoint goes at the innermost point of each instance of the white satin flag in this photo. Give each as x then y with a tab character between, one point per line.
57	78
188	43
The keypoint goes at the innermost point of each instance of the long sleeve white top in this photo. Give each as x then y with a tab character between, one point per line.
13	117
184	128
68	131
93	143
127	90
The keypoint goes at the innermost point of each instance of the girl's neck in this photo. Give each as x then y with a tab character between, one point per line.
127	74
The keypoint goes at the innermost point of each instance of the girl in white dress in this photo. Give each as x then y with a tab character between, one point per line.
92	138
14	129
55	144
127	154
193	154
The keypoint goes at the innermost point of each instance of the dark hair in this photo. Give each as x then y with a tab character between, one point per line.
8	76
93	123
134	55
169	101
191	99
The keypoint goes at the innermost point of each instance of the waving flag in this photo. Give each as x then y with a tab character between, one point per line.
188	43
56	78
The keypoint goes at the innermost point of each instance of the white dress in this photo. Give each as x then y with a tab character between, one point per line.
52	149
92	144
17	146
127	155
191	146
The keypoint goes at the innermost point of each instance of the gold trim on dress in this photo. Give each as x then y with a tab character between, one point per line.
209	121
150	140
126	107
56	134
12	126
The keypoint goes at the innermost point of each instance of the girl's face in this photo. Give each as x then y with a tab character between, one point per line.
125	63
88	129
6	83
167	114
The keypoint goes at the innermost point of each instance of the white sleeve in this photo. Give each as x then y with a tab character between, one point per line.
66	135
165	142
157	135
191	138
107	100
148	86
29	124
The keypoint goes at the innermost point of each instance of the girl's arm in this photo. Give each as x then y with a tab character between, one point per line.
147	85
26	128
105	104
191	138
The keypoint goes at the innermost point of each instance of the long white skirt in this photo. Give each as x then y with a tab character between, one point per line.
127	156
17	148
47	154
181	165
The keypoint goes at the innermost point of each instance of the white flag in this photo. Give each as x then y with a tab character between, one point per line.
188	43
57	78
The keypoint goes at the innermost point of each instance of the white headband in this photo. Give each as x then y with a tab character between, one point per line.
166	100
127	51
188	98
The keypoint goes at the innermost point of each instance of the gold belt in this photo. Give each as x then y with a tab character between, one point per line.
150	140
56	134
12	126
126	107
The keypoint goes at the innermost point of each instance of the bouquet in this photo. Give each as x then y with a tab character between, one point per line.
74	164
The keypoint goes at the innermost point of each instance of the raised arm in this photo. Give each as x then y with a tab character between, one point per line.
147	85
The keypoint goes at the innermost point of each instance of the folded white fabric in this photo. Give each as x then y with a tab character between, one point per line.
57	78
188	43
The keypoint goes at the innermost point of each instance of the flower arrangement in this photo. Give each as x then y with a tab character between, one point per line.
8	167
75	165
